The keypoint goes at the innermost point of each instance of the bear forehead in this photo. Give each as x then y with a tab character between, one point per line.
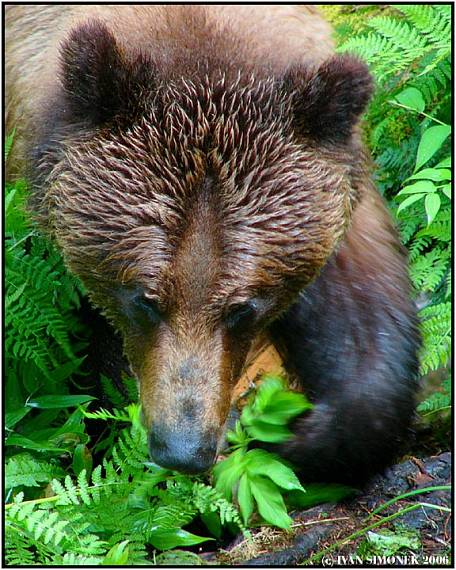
153	170
237	134
185	125
131	184
129	194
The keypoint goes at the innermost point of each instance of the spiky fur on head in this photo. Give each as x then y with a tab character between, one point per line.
281	206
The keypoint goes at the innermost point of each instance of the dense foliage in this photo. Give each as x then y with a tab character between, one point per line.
113	514
77	494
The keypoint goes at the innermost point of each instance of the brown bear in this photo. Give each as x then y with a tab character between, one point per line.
201	170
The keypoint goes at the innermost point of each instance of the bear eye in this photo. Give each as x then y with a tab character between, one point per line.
240	315
149	308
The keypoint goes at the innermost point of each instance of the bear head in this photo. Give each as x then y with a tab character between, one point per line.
195	209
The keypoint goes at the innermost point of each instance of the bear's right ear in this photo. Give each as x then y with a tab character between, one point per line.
99	81
327	101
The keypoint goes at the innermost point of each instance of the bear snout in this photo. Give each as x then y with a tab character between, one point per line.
182	449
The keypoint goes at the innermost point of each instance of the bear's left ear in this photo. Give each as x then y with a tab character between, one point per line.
327	101
100	81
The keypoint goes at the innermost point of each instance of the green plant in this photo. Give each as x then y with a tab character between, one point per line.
110	517
259	477
43	344
408	34
40	296
256	475
388	542
438	401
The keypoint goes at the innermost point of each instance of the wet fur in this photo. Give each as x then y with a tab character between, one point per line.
211	179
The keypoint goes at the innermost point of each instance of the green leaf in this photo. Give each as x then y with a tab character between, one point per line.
164	539
11	299
26	443
447	190
260	462
69	439
270	503
435	174
82	459
9	200
267	391
74	422
117	555
387	542
228	472
411	98
267	432
212	520
431	141
418	187
12	418
9	142
445	163
245	498
409	201
66	370
284	407
432	206
58	401
237	436
25	470
317	493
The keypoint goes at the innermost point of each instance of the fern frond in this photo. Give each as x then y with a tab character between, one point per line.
441	231
428	270
444	10
372	48
130	451
434	76
429	22
23	470
49	532
175	515
209	499
9	143
73	559
436	336
103	414
397	43
448	284
206	499
399	157
404	37
439	400
33	322
409	224
418	245
17	547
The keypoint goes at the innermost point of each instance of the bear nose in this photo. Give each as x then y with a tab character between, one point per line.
182	450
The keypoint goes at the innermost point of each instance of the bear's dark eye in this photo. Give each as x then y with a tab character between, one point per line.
240	315
148	308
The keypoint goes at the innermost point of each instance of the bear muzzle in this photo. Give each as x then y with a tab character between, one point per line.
182	449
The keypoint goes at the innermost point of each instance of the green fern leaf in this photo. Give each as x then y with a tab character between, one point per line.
23	470
438	401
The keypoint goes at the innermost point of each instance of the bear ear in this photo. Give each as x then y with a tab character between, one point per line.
99	81
327	102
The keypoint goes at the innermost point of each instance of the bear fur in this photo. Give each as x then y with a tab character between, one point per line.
201	170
